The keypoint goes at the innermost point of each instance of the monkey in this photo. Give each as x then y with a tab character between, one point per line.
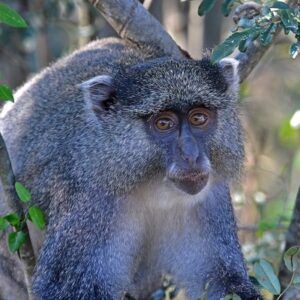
131	155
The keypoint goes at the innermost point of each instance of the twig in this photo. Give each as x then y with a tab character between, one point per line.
7	178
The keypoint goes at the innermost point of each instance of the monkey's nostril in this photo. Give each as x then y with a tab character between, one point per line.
190	159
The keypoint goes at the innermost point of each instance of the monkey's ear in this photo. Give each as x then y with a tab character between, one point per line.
99	92
230	71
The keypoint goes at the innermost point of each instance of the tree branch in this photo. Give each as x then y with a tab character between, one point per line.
7	178
136	25
255	52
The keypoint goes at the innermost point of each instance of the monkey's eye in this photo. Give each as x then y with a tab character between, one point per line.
165	122
199	117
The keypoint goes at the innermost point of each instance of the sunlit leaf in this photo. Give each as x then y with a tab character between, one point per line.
291	258
232	42
206	6
22	192
294	50
265	275
37	217
3	223
288	22
11	17
6	93
15	240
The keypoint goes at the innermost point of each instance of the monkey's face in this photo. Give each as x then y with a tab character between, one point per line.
183	136
189	111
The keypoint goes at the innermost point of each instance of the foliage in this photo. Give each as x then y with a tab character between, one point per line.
12	18
6	93
256	23
18	237
265	277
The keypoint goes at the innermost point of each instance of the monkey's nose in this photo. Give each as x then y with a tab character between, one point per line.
189	151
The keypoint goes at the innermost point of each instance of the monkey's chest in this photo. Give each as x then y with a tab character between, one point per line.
155	276
160	256
163	221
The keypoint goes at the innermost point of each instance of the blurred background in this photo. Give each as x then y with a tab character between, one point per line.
269	99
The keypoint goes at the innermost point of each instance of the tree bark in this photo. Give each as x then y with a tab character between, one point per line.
212	27
136	25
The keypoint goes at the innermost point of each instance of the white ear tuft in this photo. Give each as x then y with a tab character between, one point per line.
230	71
98	91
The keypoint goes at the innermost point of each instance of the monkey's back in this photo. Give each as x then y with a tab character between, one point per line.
47	105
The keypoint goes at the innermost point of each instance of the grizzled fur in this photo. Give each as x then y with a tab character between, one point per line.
114	225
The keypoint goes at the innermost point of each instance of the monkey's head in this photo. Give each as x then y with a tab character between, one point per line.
185	112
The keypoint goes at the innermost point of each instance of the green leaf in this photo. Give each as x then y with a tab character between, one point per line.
291	258
6	93
11	17
37	217
266	36
287	20
13	219
206	6
265	275
265	225
227	7
296	282
22	192
15	240
294	50
228	46
288	136
3	223
280	5
265	10
243	45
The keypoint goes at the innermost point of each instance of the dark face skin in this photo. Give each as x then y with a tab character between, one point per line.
183	136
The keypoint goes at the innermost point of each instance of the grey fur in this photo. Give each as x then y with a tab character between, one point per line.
115	226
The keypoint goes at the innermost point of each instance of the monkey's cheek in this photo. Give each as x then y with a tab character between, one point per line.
192	186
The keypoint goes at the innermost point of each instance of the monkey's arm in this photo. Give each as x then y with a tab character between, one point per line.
228	272
79	255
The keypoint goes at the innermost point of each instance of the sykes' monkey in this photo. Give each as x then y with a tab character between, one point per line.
130	153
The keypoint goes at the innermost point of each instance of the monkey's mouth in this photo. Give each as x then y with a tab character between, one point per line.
190	182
